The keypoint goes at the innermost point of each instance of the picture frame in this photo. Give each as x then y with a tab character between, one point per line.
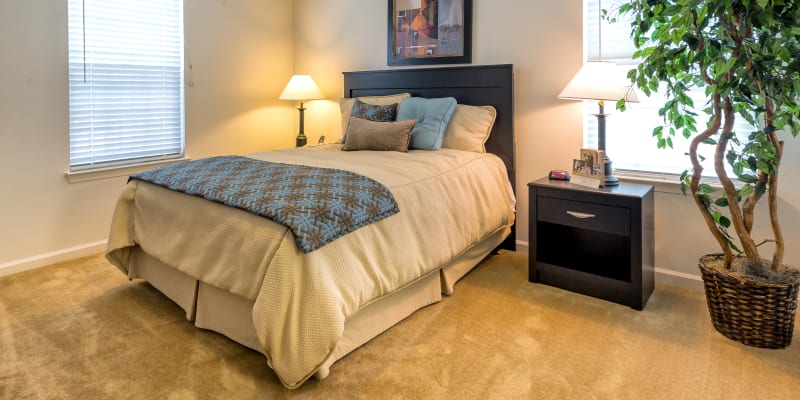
422	32
589	169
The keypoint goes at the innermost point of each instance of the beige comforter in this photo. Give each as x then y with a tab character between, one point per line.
448	200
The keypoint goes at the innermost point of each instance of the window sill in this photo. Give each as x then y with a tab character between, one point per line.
113	172
662	183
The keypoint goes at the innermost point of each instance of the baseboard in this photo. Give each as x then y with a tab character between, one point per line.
679	279
41	260
663	276
522	246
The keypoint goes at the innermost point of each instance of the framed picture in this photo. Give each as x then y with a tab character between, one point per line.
429	32
589	169
594	161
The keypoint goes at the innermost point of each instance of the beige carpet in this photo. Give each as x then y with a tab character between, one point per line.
80	330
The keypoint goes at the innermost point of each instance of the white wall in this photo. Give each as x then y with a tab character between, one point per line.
241	54
542	39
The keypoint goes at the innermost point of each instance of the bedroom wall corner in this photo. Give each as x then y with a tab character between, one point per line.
241	57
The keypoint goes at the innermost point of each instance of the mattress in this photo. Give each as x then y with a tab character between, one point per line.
449	201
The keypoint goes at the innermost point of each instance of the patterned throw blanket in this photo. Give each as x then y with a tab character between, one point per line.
317	204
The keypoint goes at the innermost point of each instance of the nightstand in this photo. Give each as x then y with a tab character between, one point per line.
597	242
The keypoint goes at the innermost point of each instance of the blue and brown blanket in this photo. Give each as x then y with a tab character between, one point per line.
317	204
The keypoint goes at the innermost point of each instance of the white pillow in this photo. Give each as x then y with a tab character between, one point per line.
469	128
346	105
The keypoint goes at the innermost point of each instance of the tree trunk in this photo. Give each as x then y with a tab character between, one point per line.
737	220
697	171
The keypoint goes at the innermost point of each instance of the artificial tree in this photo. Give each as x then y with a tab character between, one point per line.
745	54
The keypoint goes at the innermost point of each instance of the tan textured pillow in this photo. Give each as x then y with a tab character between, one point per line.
363	134
469	128
346	105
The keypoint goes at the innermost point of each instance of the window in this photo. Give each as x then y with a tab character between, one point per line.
125	82
629	140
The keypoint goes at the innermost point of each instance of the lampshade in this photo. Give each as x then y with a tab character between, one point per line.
599	80
301	87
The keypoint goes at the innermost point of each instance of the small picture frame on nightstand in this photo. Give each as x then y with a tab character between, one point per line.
589	169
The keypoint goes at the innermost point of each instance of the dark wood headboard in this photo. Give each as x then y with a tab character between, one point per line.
475	85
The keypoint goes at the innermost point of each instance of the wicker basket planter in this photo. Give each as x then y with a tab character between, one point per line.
752	312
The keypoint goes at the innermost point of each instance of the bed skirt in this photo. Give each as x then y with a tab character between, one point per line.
215	309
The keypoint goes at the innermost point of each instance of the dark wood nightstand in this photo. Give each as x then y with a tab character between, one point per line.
598	242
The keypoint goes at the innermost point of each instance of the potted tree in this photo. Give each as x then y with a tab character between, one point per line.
745	54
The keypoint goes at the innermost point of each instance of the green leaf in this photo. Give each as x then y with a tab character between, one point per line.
752	163
706	188
722	67
734	247
724	221
721	202
658	131
621	105
738	169
748	178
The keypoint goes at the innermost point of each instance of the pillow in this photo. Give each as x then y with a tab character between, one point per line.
373	112
469	128
363	134
346	105
380	113
432	116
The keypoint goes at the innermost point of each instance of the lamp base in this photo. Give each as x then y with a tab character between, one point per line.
608	173
301	140
301	136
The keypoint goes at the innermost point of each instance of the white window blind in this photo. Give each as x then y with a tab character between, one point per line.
629	140
125	82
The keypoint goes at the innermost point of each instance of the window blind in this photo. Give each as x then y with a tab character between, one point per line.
629	140
125	82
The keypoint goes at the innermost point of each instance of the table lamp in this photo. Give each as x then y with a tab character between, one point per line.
601	81
301	88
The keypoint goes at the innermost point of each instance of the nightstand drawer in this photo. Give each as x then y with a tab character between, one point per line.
582	215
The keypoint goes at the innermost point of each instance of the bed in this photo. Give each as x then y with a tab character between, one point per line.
243	276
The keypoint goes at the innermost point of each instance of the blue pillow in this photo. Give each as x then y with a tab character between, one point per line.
432	117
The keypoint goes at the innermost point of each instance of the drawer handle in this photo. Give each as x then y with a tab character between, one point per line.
580	214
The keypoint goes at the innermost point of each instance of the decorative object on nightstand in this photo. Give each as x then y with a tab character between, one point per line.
301	88
558	175
598	242
589	170
601	81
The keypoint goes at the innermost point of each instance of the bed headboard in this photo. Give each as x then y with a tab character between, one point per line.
476	85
